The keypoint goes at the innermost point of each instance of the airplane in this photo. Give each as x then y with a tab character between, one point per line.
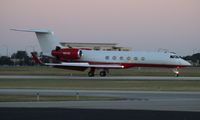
83	59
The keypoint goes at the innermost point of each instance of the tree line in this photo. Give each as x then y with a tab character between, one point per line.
20	58
194	59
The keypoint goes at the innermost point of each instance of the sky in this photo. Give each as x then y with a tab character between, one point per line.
145	25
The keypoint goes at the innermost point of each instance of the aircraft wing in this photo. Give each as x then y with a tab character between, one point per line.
85	64
75	65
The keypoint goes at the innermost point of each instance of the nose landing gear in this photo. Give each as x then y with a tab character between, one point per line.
176	72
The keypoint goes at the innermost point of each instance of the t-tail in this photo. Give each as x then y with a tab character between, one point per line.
46	39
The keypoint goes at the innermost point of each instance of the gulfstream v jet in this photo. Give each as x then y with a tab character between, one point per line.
83	59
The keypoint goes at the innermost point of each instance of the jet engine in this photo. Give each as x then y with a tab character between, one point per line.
67	53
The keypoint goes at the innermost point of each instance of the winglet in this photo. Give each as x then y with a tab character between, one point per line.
35	58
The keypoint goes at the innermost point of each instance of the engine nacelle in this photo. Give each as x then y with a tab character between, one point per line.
67	53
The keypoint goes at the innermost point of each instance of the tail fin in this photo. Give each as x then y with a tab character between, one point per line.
46	39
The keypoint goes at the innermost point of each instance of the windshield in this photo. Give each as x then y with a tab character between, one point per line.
174	56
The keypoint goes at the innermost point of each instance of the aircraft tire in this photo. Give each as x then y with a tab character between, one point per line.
177	75
103	73
90	74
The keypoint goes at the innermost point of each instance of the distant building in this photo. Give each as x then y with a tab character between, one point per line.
95	46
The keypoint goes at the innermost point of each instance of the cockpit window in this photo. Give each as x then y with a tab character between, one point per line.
174	56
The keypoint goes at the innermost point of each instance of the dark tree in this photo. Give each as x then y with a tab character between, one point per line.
21	58
4	60
193	58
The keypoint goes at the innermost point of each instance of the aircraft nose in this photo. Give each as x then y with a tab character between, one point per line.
185	63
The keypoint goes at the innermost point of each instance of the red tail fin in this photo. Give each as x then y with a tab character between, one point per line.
35	58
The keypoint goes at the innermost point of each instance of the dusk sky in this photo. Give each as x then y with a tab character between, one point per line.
145	25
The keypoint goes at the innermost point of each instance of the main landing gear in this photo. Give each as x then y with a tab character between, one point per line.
91	72
102	73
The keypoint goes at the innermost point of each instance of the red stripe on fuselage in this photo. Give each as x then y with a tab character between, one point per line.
129	65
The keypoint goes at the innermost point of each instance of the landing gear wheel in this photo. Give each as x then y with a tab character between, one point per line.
176	72
103	73
177	75
91	74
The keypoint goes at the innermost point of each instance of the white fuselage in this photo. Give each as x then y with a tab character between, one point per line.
133	58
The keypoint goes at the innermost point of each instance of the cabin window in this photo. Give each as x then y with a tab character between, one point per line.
107	57
114	57
128	58
121	58
135	58
142	58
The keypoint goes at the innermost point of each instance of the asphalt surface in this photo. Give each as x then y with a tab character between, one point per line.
132	100
104	78
139	105
92	114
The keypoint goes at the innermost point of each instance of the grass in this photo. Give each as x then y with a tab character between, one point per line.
96	84
102	84
32	98
99	84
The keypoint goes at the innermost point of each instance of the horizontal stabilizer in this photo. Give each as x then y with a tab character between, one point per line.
33	30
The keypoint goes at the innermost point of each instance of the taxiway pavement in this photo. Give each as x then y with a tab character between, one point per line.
97	77
133	100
